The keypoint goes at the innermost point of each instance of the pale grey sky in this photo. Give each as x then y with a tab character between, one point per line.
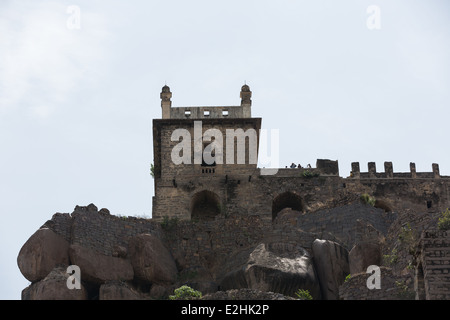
76	105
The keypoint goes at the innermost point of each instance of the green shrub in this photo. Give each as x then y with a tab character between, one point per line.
367	199
185	293
303	294
391	259
169	223
152	170
444	221
347	278
403	291
407	235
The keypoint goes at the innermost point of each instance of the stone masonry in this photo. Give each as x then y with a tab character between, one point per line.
215	210
432	276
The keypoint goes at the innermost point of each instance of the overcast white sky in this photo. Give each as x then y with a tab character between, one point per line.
76	105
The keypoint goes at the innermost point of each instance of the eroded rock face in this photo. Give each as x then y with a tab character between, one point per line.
331	261
42	252
363	255
132	265
54	287
98	268
276	267
151	261
117	290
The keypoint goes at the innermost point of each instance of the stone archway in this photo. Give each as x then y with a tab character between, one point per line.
286	200
205	205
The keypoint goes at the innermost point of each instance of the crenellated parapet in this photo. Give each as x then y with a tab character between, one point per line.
206	112
390	174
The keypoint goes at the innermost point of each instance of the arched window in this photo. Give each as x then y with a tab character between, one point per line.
286	200
205	205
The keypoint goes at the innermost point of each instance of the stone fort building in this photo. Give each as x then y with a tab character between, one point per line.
220	224
197	190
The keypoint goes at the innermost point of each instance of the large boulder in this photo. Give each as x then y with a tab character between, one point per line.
54	287
363	255
151	261
42	252
331	261
98	268
276	267
117	290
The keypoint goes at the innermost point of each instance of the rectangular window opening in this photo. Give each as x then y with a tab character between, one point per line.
206	113
187	113
225	113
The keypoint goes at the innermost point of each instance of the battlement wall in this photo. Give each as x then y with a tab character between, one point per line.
390	174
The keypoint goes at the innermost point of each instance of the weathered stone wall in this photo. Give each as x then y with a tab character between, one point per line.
392	287
175	183
342	222
403	238
99	230
435	264
200	249
251	193
205	245
431	279
415	194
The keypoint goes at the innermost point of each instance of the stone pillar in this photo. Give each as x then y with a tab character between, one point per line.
355	170
246	101
412	168
166	103
436	171
388	170
372	169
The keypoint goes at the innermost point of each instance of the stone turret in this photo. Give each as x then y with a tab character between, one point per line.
166	103
246	101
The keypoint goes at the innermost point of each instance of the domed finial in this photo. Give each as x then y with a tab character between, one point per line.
246	95
165	89
166	103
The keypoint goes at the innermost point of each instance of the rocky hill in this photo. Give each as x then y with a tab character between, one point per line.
326	252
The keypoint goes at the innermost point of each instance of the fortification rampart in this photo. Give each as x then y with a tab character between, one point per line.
195	243
390	174
229	224
200	249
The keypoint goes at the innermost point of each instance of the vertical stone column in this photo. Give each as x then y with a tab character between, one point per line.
436	171
412	168
246	101
388	170
166	103
372	169
355	170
